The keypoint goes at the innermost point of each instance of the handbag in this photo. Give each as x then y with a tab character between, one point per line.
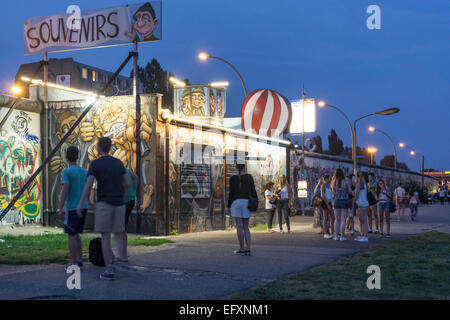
273	200
252	201
371	198
392	207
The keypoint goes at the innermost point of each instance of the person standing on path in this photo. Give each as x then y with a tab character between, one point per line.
241	188
73	180
384	199
373	210
326	195
361	200
270	207
341	189
112	185
442	195
283	193
130	201
400	200
413	203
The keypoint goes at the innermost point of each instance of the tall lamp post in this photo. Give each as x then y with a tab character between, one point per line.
372	129
413	152
204	56
371	151
385	112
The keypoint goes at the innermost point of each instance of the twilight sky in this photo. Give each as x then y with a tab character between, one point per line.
281	44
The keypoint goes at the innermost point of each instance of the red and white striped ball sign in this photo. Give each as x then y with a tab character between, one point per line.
266	112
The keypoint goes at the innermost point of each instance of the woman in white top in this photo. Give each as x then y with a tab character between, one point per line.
413	202
326	195
283	193
270	207
360	199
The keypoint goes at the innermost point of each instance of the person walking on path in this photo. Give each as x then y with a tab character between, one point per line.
442	195
326	195
283	193
241	188
341	189
362	202
413	203
112	185
73	180
270	205
400	197
384	199
373	210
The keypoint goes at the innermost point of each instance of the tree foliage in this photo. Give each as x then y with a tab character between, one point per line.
388	161
335	145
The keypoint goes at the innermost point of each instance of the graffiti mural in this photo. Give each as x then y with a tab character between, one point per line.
113	117
19	158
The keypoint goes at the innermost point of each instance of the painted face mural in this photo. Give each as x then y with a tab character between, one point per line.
145	23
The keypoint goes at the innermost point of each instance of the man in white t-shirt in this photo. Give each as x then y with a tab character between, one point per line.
400	200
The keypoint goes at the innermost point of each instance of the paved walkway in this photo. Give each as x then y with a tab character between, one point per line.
202	266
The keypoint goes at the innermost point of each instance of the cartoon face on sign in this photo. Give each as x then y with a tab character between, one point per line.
198	102
145	22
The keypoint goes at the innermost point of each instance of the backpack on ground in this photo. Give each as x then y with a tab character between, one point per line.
96	253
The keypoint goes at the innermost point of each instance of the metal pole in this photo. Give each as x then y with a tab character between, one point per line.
46	143
302	201
235	70
137	100
62	141
393	146
423	169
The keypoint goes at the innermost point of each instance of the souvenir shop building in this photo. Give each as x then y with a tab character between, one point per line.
186	158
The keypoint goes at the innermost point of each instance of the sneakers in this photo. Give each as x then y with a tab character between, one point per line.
107	275
248	252
342	238
80	263
370	231
377	231
362	239
240	252
327	236
336	238
388	235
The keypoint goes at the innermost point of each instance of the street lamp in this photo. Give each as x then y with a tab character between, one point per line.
203	56
177	82
385	112
413	152
373	129
371	151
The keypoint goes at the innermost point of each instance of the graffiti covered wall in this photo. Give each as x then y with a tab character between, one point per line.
317	165
113	117
19	158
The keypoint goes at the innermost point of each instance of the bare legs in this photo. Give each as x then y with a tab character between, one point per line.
328	221
75	248
387	215
362	215
243	233
339	226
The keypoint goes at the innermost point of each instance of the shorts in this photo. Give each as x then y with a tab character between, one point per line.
128	209
109	218
340	204
73	224
363	207
239	209
373	211
384	206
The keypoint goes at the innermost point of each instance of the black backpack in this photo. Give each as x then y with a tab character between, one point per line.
96	253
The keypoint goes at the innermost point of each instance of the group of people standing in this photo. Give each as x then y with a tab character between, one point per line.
342	199
115	199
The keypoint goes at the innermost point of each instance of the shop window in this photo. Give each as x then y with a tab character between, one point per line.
84	73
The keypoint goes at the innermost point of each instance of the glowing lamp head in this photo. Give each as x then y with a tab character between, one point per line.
321	103
203	56
16	90
401	145
412	153
371	129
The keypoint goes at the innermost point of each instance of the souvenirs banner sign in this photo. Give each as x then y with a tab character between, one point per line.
94	28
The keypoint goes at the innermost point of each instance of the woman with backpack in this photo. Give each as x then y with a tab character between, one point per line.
326	195
362	203
384	200
341	189
270	205
241	189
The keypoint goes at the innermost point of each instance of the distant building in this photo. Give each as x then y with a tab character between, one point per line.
79	76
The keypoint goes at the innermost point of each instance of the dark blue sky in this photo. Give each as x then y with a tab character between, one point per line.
282	44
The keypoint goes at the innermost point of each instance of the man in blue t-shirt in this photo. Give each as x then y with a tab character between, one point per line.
73	181
112	186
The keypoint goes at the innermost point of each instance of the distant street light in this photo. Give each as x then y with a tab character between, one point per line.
384	112
371	151
413	152
373	129
177	82
219	84
203	56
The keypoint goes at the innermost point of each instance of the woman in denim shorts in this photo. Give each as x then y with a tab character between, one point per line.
384	199
341	189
